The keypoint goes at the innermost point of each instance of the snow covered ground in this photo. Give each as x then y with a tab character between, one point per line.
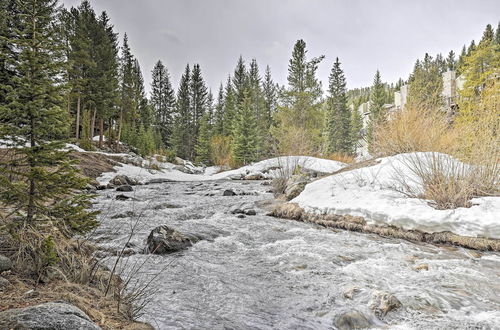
267	168
369	192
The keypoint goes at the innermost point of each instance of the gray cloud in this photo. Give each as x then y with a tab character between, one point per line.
388	35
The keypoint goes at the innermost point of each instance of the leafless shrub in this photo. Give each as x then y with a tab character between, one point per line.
446	182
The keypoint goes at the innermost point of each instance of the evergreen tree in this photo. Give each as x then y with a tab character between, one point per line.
245	133
451	63
182	121
461	59
299	119
472	47
269	90
39	181
356	131
377	97
426	85
127	111
488	35
199	95
8	53
338	134
497	34
230	108
203	142
239	81
219	113
163	101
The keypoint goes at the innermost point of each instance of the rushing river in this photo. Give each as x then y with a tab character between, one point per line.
260	272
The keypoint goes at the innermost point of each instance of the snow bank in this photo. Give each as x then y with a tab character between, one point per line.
369	192
267	168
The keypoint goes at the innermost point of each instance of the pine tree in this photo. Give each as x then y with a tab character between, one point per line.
8	54
269	90
426	85
182	121
338	134
461	59
245	133
203	142
377	97
199	94
356	122
163	101
472	47
230	108
127	107
299	119
497	34
488	35
451	63
219	113
239	81
39	180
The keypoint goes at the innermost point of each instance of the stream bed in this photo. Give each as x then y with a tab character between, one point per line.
259	272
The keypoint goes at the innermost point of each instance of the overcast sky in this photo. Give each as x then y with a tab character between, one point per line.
388	35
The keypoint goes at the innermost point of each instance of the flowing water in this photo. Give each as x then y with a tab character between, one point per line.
260	272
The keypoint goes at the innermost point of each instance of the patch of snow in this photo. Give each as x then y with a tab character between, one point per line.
265	167
369	192
96	138
74	147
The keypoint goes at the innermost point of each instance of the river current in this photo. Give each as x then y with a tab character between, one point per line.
259	272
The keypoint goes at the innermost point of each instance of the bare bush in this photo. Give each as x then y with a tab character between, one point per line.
287	166
446	182
414	129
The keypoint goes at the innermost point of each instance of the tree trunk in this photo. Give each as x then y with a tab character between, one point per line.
101	131
78	117
119	129
31	192
92	126
110	133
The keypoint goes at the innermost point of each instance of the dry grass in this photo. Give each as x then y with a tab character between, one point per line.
445	181
339	157
414	129
294	212
220	148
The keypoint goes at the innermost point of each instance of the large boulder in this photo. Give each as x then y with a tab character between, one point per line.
52	315
352	320
164	240
122	180
125	188
5	264
295	185
383	302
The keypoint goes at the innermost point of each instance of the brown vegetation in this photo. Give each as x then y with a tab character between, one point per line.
294	212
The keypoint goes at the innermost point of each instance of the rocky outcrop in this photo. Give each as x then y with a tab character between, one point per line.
382	302
52	315
5	264
164	240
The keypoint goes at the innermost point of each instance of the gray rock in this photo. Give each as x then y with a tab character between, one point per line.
250	212
128	214
122	197
256	176
5	263
125	188
352	320
383	302
228	192
52	315
121	180
295	185
164	240
4	283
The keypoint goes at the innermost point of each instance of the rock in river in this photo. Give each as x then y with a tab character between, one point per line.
383	302
52	315
164	239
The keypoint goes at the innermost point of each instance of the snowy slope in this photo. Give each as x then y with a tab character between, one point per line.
265	168
367	192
